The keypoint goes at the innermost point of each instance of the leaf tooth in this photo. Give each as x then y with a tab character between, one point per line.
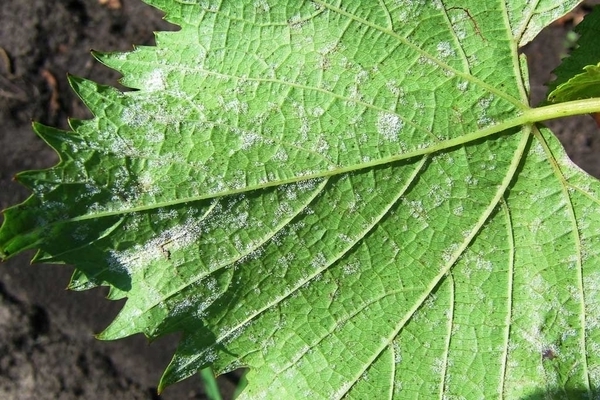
62	142
96	97
119	328
114	60
75	124
106	57
56	138
185	8
16	234
80	282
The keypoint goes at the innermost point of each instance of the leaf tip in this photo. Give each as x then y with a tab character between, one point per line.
101	336
99	55
75	82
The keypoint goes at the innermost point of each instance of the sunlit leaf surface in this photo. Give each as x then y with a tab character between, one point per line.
315	189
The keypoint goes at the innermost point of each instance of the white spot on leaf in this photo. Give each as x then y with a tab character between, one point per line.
155	81
389	125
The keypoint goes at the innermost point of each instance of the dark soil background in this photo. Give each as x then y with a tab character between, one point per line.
47	348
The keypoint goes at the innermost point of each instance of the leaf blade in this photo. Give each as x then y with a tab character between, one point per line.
367	212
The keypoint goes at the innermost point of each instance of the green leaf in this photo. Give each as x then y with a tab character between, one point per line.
587	53
210	384
582	86
351	198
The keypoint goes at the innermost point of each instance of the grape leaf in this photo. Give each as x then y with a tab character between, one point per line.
582	86
351	198
587	52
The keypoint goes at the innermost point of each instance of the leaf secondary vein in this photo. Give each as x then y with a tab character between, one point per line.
579	268
514	101
256	245
447	342
509	294
318	271
515	163
289	83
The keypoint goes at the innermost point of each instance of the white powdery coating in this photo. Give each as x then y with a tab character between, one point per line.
136	258
155	81
389	125
445	49
249	139
262	6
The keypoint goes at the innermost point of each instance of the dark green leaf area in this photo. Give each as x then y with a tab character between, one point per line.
586	53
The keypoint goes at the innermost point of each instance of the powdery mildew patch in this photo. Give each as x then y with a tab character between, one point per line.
389	126
136	258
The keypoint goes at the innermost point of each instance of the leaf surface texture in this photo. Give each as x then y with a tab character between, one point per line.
319	190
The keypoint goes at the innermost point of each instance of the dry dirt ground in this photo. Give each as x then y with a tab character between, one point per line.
47	349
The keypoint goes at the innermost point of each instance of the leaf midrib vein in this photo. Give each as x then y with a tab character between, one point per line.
530	116
443	145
